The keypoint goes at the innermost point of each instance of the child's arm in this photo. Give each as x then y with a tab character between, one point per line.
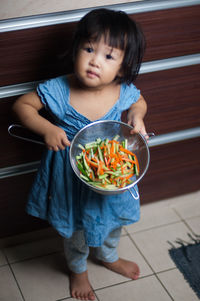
136	114
27	108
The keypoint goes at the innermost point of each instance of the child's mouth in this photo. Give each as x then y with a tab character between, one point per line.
92	74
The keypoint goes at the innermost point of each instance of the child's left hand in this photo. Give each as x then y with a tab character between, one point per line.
135	117
138	125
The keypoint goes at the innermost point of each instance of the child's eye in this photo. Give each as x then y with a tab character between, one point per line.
89	49
109	57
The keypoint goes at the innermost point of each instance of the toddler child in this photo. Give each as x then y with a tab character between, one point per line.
108	48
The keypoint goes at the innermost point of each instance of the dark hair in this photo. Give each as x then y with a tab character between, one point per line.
119	31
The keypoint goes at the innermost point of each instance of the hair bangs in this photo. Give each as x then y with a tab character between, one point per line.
113	35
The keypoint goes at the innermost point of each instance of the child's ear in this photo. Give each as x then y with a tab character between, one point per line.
120	73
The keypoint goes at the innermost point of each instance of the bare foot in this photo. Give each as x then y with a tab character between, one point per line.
124	267
80	286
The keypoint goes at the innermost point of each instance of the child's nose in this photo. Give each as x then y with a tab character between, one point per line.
95	61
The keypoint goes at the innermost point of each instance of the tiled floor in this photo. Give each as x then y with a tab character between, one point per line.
36	270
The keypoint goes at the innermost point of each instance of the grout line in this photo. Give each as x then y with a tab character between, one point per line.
164	287
145	259
96	296
122	282
34	257
184	220
167	270
154	227
63	299
154	272
12	272
67	298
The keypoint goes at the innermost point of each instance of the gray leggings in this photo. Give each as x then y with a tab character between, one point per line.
76	250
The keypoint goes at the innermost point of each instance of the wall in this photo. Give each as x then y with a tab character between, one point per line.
169	80
21	8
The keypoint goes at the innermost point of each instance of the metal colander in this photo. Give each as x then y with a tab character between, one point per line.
108	129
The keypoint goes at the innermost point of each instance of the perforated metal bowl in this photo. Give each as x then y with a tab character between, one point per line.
108	129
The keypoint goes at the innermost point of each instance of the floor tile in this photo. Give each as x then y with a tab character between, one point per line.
154	244
43	278
34	249
128	251
146	289
8	287
194	224
22	238
187	205
40	269
3	260
175	283
154	215
102	277
124	232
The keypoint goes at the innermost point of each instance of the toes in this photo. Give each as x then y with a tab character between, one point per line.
135	276
91	296
87	296
136	273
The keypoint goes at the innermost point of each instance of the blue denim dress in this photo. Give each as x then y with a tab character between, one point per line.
57	195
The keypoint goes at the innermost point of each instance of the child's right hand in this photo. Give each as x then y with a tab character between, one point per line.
56	138
27	108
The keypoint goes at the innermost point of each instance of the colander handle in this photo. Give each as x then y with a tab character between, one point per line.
149	135
136	196
15	126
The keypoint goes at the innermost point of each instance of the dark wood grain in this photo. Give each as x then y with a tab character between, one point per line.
173	99
14	219
174	170
171	32
14	151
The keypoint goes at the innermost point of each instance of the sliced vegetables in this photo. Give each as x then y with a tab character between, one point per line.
107	164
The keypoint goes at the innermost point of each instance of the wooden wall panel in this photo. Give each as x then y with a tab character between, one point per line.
14	151
34	54
13	217
171	33
174	170
173	98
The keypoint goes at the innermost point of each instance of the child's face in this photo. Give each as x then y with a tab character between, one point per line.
97	64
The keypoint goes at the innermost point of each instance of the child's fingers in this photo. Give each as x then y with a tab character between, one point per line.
139	129
57	140
61	145
66	142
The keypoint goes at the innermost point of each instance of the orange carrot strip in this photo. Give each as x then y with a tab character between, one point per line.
124	178
112	149
129	160
100	170
94	159
130	153
90	162
126	151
